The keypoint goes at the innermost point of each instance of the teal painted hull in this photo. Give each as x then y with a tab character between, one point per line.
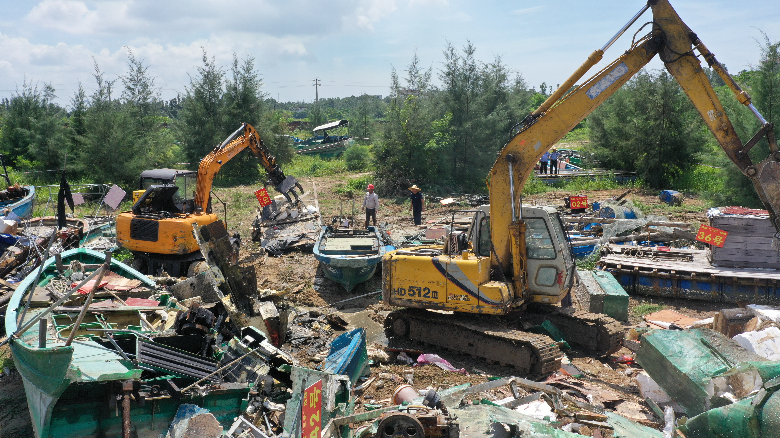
349	259
68	387
348	277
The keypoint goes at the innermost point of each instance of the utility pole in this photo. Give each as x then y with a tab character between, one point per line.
316	90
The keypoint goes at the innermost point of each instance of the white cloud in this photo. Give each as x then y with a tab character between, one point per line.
428	3
76	17
366	15
526	11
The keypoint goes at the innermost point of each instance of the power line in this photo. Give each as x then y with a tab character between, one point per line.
316	90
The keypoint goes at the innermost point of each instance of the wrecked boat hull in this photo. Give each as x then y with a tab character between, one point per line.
349	257
21	207
47	372
72	390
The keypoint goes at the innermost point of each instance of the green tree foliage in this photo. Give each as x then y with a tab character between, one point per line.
108	153
361	119
34	130
316	115
763	84
243	103
401	155
650	127
77	120
116	139
357	157
201	119
216	104
448	138
152	139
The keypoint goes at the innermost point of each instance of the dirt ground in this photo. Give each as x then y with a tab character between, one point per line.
299	275
298	272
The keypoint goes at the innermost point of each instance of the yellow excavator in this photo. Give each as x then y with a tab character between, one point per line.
478	292
158	229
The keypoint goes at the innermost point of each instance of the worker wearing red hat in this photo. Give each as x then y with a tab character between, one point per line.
370	204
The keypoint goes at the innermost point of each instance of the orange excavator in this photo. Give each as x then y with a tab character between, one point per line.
158	230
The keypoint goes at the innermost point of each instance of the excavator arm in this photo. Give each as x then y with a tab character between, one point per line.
674	42
243	137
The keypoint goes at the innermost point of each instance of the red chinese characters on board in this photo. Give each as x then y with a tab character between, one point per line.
713	236
262	197
311	411
578	202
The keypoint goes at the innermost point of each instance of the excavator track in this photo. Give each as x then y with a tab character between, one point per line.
595	334
479	336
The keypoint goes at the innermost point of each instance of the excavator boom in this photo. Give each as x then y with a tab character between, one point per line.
674	42
243	137
527	259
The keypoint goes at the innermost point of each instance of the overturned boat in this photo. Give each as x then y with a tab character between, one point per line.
350	256
103	352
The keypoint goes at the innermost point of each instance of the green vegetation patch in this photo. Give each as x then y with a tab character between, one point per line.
313	165
646	308
354	186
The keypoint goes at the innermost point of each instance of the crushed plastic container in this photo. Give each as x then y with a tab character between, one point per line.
671	197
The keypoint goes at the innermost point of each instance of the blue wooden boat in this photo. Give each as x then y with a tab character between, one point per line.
349	257
68	387
348	355
19	201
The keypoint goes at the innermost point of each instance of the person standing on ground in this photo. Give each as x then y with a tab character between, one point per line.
418	204
554	161
543	163
370	204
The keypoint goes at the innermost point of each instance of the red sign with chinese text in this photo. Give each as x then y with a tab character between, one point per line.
713	236
262	197
311	411
578	202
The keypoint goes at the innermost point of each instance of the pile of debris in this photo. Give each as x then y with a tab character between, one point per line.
283	225
719	374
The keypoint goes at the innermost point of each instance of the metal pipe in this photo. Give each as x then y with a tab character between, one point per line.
41	315
106	266
510	158
42	327
127	388
757	114
37	277
624	28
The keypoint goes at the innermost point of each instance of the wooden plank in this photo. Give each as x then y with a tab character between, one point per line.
7	284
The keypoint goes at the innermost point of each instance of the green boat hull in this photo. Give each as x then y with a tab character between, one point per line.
69	388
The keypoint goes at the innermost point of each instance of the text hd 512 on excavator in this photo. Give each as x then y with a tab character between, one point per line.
159	228
515	265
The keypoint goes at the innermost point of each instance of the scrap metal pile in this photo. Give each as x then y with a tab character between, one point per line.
283	225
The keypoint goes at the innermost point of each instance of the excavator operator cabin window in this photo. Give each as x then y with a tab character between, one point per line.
538	243
484	237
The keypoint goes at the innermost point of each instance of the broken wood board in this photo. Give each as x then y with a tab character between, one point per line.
664	318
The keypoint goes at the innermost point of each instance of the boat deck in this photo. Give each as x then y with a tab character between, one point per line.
688	273
352	242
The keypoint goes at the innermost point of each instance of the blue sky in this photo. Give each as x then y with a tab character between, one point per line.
351	46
